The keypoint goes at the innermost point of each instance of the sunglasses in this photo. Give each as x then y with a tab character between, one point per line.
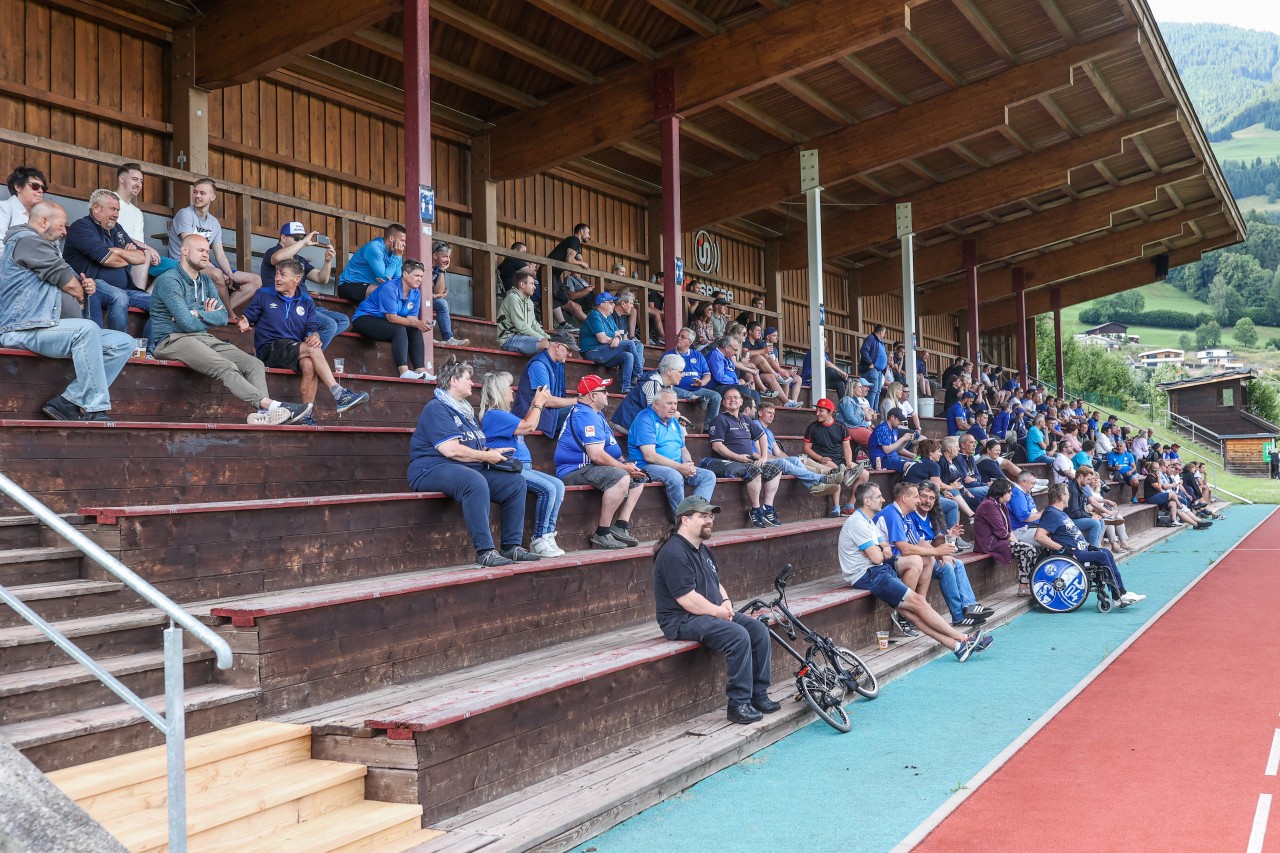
413	266
37	187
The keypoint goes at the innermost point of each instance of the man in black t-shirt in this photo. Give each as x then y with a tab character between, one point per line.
692	604
510	266
569	251
827	443
736	440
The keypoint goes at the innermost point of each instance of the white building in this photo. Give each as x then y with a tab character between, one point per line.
1156	357
1220	357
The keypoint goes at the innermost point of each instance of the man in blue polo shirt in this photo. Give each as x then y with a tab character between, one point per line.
735	441
695	381
97	246
587	454
885	442
872	361
959	418
546	370
724	373
604	342
656	443
293	239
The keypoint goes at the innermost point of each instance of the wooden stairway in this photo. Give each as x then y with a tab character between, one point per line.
254	787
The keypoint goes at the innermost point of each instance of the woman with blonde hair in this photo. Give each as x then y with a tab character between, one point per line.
501	430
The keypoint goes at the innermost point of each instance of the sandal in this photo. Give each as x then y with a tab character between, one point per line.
1024	590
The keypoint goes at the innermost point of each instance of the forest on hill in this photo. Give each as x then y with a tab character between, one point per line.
1232	75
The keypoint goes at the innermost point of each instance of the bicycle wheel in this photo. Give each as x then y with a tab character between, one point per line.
855	674
823	703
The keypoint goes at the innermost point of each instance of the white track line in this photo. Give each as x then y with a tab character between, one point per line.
953	802
1273	760
1259	831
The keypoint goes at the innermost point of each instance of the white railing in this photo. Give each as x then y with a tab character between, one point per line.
173	723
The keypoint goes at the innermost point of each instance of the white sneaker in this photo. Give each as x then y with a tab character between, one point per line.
545	546
270	417
1131	598
457	342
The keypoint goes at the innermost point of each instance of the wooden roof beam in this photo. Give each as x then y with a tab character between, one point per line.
872	80
598	28
1027	233
762	120
815	100
755	54
1020	178
1107	94
1059	117
242	40
718	143
652	155
986	31
930	59
687	16
931	124
1060	21
479	28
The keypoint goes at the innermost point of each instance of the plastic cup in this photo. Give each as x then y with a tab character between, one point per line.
140	347
882	640
339	365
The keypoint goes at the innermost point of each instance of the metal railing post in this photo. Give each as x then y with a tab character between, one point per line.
175	734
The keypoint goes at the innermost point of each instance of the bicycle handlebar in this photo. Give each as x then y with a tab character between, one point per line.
787	573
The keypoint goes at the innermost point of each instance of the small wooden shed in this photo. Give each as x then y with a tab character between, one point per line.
1211	410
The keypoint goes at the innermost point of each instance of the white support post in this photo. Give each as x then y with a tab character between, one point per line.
906	236
817	338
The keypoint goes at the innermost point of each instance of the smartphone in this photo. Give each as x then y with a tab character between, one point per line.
322	240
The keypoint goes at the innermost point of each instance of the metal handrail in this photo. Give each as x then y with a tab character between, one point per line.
173	723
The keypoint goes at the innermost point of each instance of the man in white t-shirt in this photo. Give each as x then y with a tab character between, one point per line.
236	287
867	562
129	187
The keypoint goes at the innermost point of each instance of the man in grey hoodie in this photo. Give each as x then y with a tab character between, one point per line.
33	280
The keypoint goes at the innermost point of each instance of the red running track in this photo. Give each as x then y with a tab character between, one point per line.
1168	748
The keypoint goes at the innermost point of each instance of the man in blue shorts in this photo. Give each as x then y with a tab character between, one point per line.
866	561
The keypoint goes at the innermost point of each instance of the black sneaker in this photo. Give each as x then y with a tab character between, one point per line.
979	610
771	515
765	705
904	625
606	540
757	518
623	536
516	554
96	416
62	409
297	411
967	622
492	559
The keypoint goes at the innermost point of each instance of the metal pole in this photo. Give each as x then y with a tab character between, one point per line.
906	239
817	339
664	112
1020	296
175	734
417	150
1055	301
970	251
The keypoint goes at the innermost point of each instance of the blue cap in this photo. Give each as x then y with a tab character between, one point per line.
769	331
605	297
865	383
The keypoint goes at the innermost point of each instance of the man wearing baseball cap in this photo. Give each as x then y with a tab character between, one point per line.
293	239
959	418
827	443
692	604
546	370
604	342
587	454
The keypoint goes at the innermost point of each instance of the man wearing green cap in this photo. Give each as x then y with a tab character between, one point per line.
692	604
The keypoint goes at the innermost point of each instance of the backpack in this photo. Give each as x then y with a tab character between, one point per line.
1164	518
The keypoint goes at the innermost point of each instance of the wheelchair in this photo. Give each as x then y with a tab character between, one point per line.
1061	584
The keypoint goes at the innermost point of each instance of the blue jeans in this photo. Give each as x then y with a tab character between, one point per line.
475	488
953	581
523	344
703	482
444	321
109	306
97	354
623	357
331	323
548	493
701	393
793	466
1091	529
876	378
950	510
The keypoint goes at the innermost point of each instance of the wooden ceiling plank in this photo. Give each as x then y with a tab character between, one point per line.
652	155
687	16
478	27
814	99
718	143
757	53
242	40
490	88
1016	139
598	28
762	120
1021	178
1060	21
1110	176
930	59
1105	91
872	80
915	167
967	153
1147	157
1059	117
929	125
875	186
986	31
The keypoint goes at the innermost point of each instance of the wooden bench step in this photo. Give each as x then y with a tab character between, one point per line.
41	564
366	825
107	635
69	599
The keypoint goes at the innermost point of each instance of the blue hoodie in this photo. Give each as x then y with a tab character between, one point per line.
275	317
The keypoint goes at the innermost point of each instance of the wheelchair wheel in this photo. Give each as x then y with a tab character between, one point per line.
1104	601
823	702
1059	584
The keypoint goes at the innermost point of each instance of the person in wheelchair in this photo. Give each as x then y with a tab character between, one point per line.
1058	534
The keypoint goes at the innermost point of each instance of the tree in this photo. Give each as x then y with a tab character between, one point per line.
1263	400
1225	300
1208	335
1246	334
1184	342
1131	301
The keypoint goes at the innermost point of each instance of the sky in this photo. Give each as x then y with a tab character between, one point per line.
1249	14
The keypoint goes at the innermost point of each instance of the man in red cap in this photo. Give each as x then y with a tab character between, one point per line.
827	443
587	454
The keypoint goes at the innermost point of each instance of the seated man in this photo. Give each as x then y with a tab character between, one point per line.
293	239
885	443
761	353
1078	506
286	336
441	258
724	374
1058	534
96	246
867	562
953	579
546	370
959	418
642	395
978	430
827	443
734	441
587	454
184	307
657	443
1124	471
696	380
509	267
518	326
234	287
821	478
379	260
602	341
33	281
692	605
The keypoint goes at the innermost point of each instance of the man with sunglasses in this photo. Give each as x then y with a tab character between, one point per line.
441	258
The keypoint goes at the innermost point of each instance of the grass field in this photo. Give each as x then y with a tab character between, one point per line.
1247	144
1257	202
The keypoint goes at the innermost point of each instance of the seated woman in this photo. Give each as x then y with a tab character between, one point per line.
993	534
504	430
447	454
1114	530
390	314
1154	492
700	322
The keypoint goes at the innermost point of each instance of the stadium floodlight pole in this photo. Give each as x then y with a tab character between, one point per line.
817	340
906	237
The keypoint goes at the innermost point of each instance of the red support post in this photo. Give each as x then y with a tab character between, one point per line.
664	113
417	146
1020	296
1055	302
970	249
